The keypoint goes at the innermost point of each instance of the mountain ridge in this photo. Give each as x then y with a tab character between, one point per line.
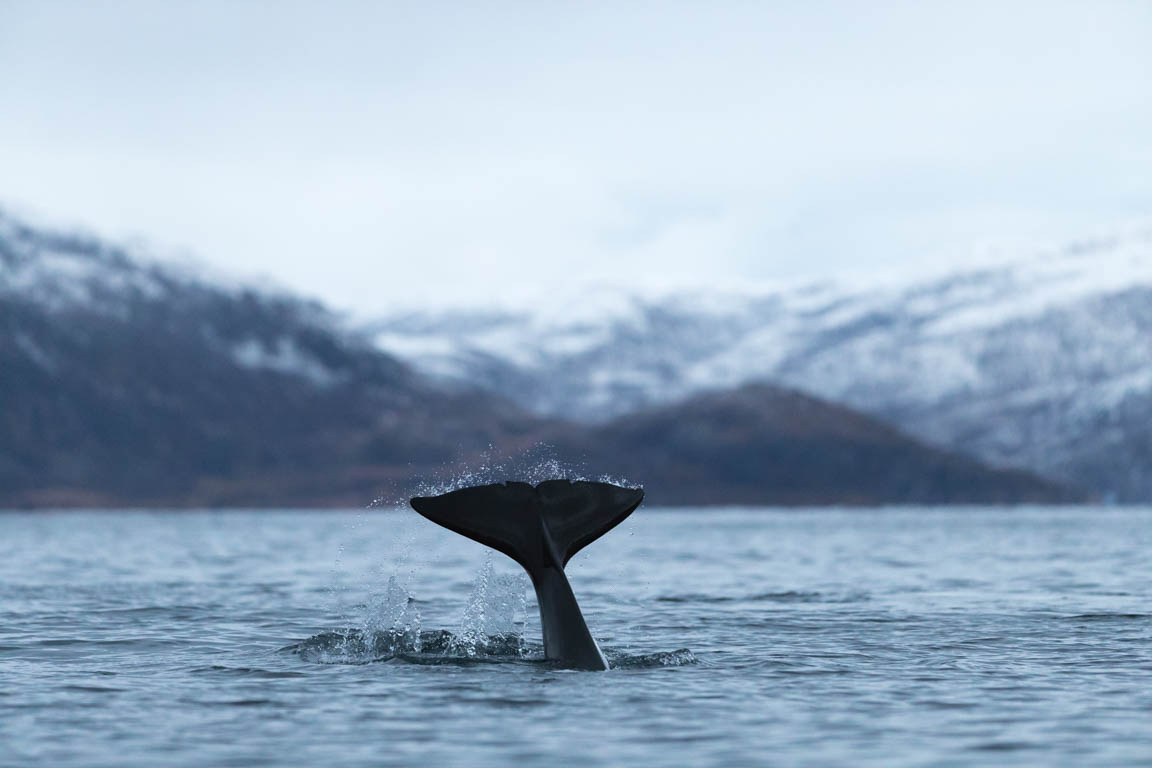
1043	364
124	382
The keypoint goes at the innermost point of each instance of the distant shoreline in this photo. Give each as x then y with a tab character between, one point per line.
685	509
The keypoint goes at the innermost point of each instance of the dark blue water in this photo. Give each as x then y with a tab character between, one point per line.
886	637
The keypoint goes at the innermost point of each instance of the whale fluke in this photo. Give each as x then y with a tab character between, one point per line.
541	528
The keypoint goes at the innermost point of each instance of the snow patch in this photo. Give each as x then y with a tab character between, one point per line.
284	356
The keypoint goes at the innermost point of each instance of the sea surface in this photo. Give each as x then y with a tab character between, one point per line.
889	637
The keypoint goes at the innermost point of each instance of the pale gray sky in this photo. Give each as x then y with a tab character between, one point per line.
381	153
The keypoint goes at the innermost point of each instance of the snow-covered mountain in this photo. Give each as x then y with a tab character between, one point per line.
1043	362
124	381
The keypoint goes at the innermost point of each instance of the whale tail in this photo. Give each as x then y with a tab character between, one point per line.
541	528
536	526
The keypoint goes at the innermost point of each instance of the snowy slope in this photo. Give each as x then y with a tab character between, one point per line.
1044	363
60	273
129	382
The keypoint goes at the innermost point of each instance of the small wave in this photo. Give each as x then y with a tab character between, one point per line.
760	597
1108	616
353	646
263	674
229	702
678	658
92	689
787	596
437	647
1002	746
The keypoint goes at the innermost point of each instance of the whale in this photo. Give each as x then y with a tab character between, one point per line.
541	527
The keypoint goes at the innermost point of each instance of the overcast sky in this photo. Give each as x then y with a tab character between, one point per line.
379	154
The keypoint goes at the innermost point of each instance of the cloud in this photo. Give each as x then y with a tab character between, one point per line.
381	154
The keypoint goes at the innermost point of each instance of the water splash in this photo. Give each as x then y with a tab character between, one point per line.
678	658
393	611
533	465
494	613
441	647
387	613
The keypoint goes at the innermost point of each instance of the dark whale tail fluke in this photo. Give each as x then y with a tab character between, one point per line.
541	528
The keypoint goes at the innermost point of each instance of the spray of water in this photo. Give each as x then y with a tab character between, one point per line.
533	465
493	619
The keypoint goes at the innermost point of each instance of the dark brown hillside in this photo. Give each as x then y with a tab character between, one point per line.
766	445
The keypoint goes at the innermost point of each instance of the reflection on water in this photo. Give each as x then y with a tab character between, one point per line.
884	637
